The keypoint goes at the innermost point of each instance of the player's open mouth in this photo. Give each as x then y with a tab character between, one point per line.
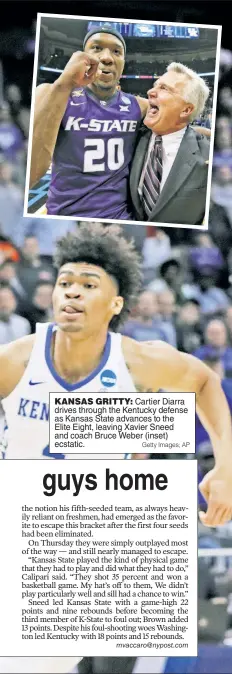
105	72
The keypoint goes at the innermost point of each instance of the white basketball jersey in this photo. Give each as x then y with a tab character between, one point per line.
27	407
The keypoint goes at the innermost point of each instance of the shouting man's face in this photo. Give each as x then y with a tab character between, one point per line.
168	110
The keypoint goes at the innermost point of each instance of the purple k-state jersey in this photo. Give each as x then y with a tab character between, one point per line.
92	157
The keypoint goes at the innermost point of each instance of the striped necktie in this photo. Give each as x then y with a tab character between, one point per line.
152	177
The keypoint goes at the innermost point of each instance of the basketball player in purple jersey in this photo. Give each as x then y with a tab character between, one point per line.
87	128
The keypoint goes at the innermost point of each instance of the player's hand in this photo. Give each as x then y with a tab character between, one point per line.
216	487
80	70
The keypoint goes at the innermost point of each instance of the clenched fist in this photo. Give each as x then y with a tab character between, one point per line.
80	70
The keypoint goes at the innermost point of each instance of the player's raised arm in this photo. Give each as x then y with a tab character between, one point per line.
50	105
160	366
14	358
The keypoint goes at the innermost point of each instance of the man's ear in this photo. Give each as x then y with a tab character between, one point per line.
189	107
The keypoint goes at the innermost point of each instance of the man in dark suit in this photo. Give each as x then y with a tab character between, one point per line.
168	178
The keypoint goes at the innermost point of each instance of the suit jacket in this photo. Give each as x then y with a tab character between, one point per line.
182	199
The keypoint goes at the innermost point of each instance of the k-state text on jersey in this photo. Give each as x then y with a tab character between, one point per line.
104	125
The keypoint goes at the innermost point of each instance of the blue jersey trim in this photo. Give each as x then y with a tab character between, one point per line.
60	380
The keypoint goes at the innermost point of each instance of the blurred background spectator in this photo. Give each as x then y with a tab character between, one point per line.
216	345
11	196
32	268
189	326
41	305
12	326
146	323
166	307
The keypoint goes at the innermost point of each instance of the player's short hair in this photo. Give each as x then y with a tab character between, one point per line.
105	247
196	90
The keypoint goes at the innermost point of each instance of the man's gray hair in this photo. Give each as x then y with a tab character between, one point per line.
196	90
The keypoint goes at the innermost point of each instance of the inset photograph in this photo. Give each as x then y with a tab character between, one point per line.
122	121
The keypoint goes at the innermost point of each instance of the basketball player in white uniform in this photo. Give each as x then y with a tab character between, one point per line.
98	275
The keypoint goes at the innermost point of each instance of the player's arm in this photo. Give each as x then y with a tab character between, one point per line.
160	366
202	130
50	105
143	104
14	358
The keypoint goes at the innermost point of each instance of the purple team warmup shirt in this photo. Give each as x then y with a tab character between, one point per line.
92	157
